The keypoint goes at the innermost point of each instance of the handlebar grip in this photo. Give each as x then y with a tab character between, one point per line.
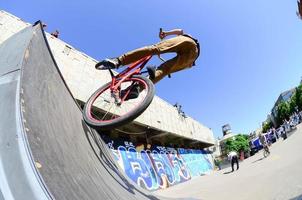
160	31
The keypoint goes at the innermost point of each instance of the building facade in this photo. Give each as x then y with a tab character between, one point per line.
227	134
283	97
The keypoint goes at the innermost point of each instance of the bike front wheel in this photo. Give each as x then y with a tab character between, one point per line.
103	112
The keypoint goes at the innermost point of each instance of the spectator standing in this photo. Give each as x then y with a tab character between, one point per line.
284	134
44	26
233	157
275	133
286	125
217	162
299	12
55	33
296	118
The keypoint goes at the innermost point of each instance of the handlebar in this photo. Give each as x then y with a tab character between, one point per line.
160	31
163	60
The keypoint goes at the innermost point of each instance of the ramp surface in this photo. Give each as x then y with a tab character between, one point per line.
71	160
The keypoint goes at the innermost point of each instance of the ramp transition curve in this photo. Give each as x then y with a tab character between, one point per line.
47	151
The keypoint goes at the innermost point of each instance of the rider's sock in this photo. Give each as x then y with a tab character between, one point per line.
119	63
151	71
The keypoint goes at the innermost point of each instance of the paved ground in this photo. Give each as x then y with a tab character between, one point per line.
278	176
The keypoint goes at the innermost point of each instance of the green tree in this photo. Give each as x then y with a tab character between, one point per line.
266	126
283	112
239	143
298	97
293	103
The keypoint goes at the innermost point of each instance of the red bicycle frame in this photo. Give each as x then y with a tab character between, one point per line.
133	69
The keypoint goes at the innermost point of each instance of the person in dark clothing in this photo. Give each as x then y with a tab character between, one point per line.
55	34
299	12
233	157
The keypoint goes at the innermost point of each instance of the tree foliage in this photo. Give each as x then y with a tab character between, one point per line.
285	109
283	112
266	126
239	143
298	97
293	103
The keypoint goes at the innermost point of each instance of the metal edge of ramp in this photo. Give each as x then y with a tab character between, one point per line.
19	179
74	161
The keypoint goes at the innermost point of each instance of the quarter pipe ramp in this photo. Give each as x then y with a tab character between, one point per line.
46	149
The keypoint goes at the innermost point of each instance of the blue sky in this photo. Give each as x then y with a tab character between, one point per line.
250	50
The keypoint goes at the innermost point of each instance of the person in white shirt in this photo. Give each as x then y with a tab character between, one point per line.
233	157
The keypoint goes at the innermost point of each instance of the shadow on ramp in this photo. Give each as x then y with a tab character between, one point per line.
258	159
229	172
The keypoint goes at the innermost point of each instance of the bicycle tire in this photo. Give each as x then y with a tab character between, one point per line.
125	118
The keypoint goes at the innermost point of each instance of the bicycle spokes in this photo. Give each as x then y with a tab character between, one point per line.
110	104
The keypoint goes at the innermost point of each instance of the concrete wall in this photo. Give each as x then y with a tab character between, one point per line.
10	25
159	167
82	79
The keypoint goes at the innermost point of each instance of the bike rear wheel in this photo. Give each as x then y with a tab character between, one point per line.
102	112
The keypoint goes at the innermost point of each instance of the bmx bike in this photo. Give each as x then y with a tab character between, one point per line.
109	106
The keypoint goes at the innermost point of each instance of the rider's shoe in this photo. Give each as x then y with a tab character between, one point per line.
108	63
134	92
151	71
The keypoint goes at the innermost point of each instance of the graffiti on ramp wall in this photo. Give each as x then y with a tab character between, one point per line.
159	167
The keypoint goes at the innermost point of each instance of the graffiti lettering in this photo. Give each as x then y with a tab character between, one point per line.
160	167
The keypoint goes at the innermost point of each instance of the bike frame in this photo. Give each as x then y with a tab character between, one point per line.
133	69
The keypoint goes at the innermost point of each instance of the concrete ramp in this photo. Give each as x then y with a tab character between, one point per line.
47	151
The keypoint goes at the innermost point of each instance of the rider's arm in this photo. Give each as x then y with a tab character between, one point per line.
174	32
163	34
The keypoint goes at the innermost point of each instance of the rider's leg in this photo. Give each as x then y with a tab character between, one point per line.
137	54
127	58
177	44
175	64
164	69
180	62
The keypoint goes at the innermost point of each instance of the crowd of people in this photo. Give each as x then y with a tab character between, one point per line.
272	135
289	124
265	140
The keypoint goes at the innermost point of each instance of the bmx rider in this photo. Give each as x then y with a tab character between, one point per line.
185	46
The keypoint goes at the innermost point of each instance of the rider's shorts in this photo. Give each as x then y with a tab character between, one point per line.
185	47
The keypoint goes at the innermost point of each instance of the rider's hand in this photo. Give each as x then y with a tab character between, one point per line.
162	35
